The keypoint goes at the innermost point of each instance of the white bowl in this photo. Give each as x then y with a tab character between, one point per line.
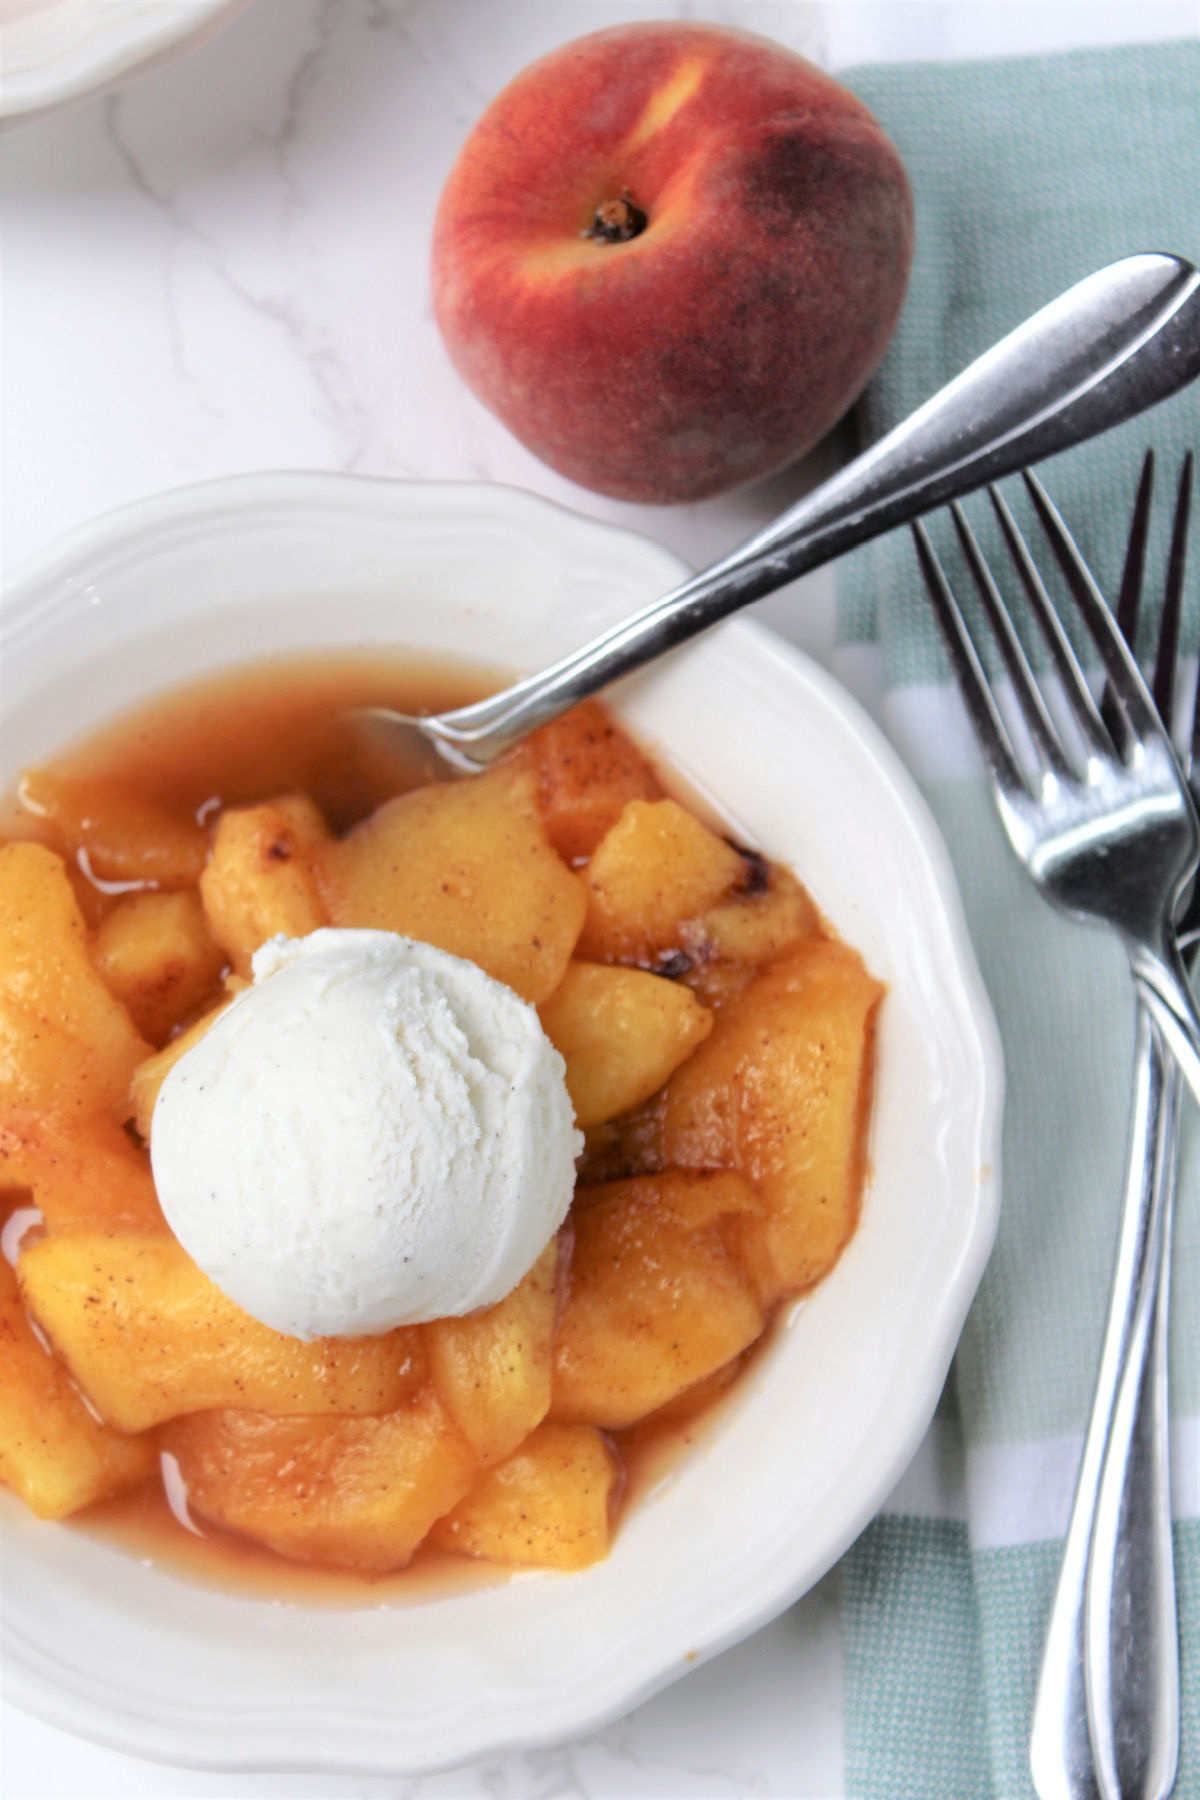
52	51
827	1420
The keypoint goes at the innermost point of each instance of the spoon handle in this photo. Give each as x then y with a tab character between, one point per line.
1105	350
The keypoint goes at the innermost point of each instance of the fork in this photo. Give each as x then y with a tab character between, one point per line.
1106	1717
1082	825
1105	827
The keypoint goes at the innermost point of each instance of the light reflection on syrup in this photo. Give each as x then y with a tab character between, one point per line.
21	1222
84	864
175	1492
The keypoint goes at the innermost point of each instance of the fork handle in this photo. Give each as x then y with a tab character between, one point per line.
1078	1738
1162	985
1131	1641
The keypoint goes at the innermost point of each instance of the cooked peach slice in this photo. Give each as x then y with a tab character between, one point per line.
356	1493
85	1173
621	1032
466	866
261	879
147	1335
769	914
156	954
588	771
493	1368
780	1091
67	1046
549	1506
118	833
658	868
655	1302
764	918
149	1076
42	1067
53	1453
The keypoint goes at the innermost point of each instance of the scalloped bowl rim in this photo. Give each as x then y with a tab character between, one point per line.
90	50
144	1662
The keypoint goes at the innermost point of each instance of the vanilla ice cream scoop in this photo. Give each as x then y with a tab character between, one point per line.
375	1133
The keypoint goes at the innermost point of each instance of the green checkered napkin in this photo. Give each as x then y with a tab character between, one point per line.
1027	175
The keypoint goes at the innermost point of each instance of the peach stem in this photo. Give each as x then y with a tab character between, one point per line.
616	221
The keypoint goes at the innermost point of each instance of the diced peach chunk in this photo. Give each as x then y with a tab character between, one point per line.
42	1067
658	868
157	956
147	1335
655	1302
493	1368
466	866
83	1174
549	1506
67	1046
123	835
262	876
149	1076
355	1493
53	1453
588	771
781	1091
621	1032
759	922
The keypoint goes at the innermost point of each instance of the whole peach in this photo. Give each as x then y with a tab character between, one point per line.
669	256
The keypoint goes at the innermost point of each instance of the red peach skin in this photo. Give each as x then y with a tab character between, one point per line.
732	331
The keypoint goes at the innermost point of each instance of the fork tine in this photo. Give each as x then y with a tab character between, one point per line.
1074	683
1163	685
1033	707
969	673
1129	600
1124	677
1176	564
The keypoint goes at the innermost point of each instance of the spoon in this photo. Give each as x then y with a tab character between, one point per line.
1107	349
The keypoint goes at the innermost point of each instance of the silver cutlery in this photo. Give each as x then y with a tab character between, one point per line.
1105	826
1106	1717
1105	350
1100	816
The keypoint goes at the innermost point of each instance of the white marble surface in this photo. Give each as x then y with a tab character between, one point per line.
222	266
